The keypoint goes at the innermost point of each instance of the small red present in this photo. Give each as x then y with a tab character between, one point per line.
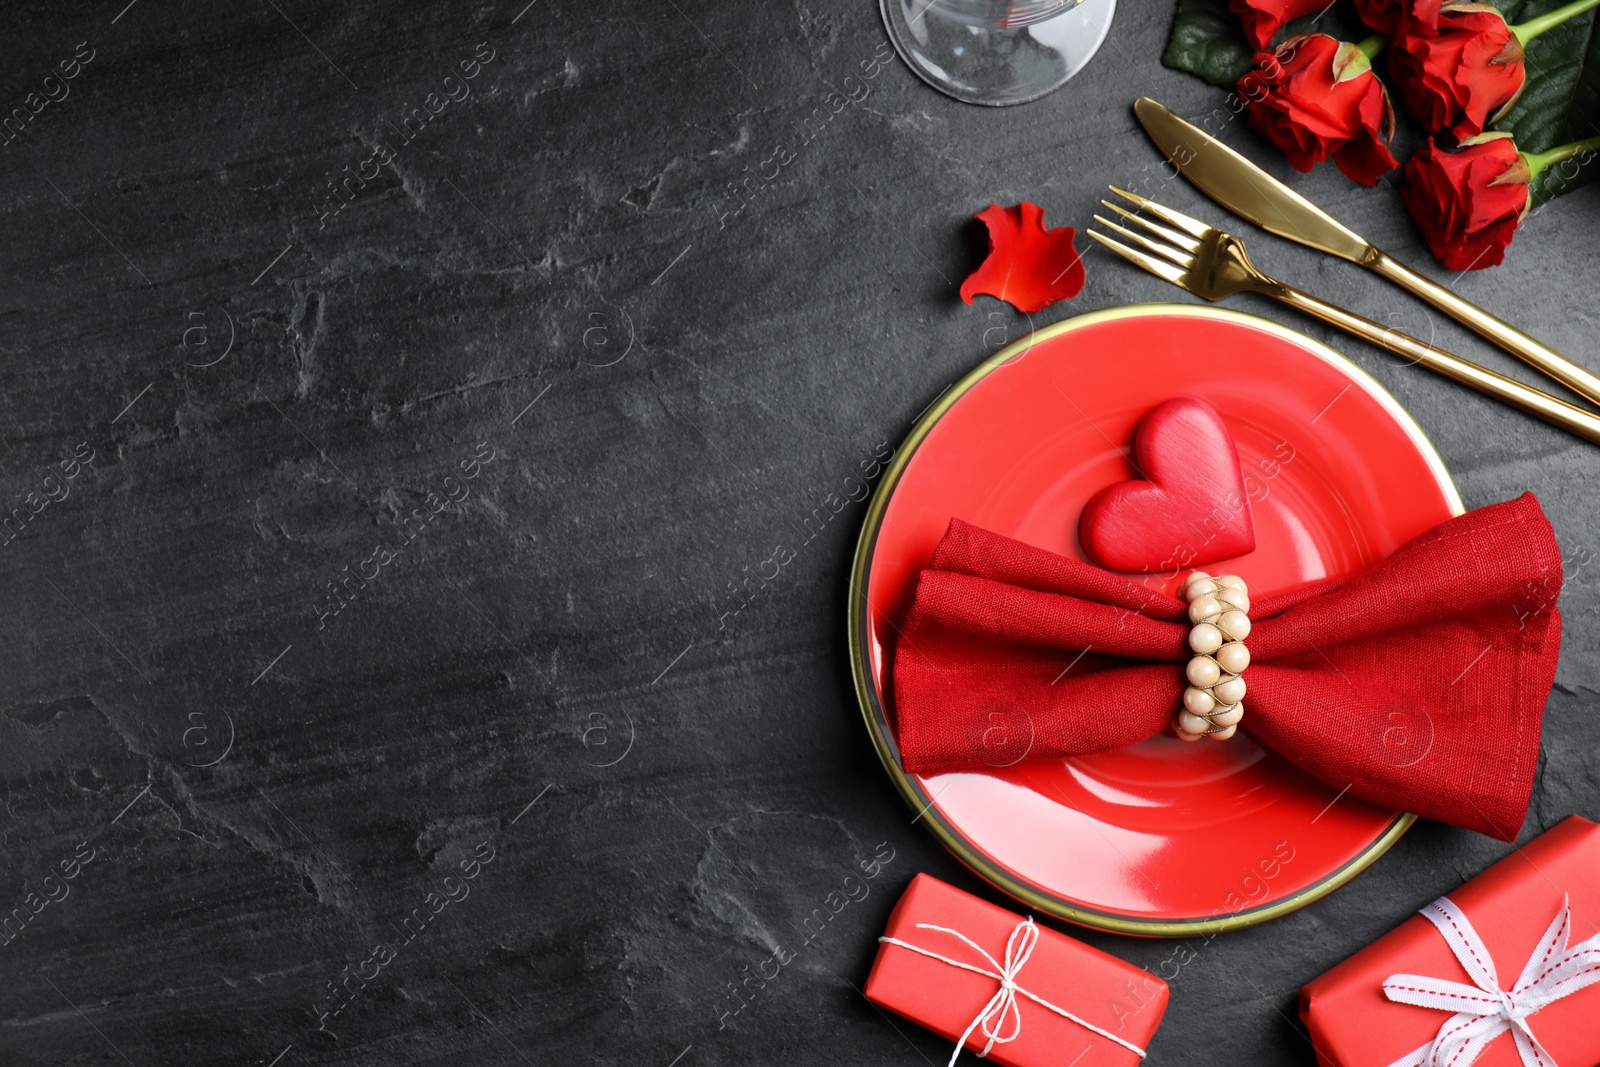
1500	973
1007	988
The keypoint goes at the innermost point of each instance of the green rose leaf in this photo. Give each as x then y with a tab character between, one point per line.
1208	40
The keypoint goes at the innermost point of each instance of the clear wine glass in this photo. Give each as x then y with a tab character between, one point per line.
997	52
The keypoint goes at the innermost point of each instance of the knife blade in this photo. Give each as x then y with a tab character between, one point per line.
1251	193
1244	188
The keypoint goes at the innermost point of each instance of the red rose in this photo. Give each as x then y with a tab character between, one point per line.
1264	18
1455	79
1316	97
1396	16
1469	201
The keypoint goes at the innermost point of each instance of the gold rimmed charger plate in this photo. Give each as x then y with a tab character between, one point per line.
993	450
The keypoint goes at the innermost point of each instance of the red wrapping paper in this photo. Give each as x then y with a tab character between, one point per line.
1100	989
1353	1024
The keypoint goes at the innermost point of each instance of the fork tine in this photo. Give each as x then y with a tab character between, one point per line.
1182	259
1182	240
1160	268
1177	218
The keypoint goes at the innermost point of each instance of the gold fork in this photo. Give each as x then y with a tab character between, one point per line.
1213	264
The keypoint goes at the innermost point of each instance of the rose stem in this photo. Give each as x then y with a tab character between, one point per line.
1527	31
1538	161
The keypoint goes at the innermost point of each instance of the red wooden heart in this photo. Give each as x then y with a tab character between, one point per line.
1190	508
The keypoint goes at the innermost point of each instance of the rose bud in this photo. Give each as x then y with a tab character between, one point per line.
1316	97
1420	17
1264	18
1469	201
1467	71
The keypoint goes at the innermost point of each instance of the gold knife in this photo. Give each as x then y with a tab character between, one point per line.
1251	193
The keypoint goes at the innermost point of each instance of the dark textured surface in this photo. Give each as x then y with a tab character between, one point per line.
700	378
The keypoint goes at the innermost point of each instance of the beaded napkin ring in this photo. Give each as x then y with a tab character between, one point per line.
1214	702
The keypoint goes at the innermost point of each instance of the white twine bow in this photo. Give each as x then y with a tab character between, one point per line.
1001	1010
1484	1011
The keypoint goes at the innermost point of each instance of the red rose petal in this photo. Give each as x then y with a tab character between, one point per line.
1264	18
1028	266
1400	16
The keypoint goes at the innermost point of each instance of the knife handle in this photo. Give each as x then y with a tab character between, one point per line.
1551	409
1537	355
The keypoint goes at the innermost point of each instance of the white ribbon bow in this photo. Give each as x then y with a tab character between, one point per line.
1484	1011
1001	1010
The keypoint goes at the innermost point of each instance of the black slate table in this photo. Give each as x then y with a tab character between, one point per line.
381	448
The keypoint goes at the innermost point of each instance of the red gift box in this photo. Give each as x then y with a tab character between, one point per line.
1511	906
1095	1007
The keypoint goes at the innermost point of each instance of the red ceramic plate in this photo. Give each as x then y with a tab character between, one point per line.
1163	838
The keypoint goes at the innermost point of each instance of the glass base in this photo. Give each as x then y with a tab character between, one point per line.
996	66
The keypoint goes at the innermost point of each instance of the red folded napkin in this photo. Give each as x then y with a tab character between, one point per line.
1452	639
